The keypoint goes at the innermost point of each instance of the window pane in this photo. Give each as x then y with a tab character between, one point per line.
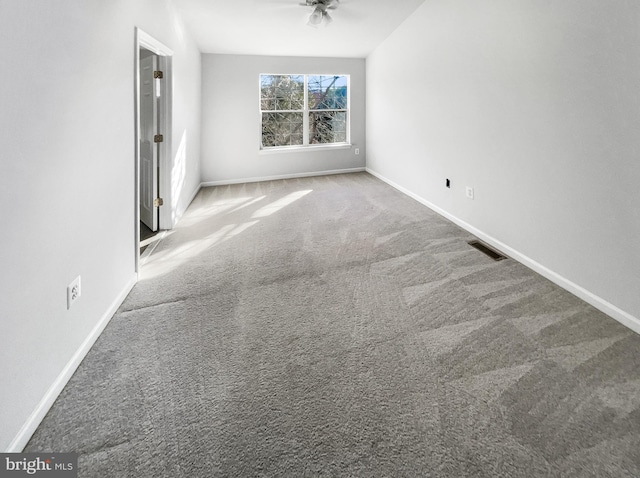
281	129
281	92
327	92
327	127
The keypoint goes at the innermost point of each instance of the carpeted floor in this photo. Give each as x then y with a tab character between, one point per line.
332	326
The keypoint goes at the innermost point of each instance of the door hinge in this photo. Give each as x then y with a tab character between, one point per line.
157	202
158	74
158	138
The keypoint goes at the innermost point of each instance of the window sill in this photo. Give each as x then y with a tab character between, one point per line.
300	149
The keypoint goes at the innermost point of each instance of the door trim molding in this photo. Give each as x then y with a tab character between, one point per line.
165	63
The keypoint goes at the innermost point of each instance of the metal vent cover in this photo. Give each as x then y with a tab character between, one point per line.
487	250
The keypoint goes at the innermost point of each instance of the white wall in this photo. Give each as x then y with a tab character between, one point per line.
231	118
535	104
67	179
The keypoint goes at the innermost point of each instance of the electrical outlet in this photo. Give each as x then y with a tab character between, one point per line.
469	192
73	292
357	151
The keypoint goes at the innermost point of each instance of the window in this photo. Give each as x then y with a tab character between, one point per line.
304	110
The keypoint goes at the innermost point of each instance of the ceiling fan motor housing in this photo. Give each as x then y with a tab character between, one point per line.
322	3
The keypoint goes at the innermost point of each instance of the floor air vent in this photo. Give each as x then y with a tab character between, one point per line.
489	251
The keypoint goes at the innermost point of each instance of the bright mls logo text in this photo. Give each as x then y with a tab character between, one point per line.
53	465
30	466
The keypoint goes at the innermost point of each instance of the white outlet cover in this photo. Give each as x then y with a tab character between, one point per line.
469	192
357	151
74	291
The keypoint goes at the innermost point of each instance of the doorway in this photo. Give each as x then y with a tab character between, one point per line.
150	97
153	73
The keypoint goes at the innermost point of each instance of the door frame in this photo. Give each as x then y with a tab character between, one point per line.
148	149
165	63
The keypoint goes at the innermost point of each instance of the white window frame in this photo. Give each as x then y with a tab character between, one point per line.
305	116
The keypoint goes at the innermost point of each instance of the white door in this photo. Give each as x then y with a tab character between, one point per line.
148	148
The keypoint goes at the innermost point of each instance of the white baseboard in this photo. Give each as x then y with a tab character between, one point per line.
281	176
30	426
178	213
191	198
596	301
193	195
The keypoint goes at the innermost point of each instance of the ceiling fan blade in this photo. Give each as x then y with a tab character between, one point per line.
315	18
327	18
320	12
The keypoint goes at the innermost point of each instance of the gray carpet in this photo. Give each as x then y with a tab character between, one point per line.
332	326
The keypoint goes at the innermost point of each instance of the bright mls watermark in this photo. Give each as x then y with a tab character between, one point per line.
51	465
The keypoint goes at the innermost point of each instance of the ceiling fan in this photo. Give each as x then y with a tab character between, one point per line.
320	11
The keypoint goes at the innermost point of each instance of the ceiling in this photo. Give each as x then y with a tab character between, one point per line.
279	27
